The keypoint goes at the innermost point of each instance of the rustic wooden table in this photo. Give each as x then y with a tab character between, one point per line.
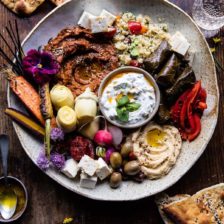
50	203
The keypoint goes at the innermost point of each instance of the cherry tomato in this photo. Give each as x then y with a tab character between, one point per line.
135	27
134	63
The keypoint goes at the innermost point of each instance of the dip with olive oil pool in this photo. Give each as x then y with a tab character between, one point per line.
157	149
128	98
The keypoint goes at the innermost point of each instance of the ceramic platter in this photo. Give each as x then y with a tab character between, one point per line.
68	15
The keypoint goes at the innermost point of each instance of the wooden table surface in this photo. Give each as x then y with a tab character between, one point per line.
50	203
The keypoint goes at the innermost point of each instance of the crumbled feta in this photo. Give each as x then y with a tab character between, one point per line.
103	169
179	43
109	17
84	20
87	181
71	168
99	24
88	165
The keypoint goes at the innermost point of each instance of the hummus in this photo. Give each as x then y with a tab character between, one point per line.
137	88
157	149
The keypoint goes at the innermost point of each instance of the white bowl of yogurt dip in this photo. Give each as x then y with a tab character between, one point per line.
129	97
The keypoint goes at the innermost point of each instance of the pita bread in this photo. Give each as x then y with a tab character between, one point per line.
22	6
163	199
205	207
58	2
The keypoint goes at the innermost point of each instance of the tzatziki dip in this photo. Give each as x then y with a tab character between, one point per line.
128	98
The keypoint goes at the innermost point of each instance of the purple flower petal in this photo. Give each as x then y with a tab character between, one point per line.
33	56
57	160
57	134
42	161
41	66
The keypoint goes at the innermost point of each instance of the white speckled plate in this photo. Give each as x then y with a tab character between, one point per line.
68	14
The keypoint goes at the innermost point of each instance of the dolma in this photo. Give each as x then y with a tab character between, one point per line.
167	76
186	79
163	114
158	58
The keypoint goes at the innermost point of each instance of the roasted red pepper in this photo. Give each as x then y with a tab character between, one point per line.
200	103
188	102
186	112
135	27
197	127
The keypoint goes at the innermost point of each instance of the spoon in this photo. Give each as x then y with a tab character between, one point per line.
8	198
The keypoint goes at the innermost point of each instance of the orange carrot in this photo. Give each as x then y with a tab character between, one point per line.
26	93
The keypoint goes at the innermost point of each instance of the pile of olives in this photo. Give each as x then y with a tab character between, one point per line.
125	166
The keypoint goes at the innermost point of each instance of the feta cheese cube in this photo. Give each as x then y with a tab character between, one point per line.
99	24
71	168
179	43
190	56
88	165
87	181
109	17
84	20
103	169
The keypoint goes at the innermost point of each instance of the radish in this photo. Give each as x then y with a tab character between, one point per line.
117	135
103	137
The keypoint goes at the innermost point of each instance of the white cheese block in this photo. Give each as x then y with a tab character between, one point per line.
87	181
84	20
71	168
190	56
99	24
179	43
109	17
103	170
88	165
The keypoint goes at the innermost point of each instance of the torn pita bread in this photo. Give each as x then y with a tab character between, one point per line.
22	6
58	2
163	199
205	207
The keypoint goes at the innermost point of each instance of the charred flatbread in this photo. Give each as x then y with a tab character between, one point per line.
205	207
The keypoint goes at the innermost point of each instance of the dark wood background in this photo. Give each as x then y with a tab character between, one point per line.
50	203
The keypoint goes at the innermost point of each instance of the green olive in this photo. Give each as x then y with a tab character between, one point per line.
132	168
116	160
126	149
115	180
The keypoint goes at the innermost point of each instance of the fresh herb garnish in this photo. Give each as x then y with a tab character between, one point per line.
131	107
122	114
124	107
122	101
